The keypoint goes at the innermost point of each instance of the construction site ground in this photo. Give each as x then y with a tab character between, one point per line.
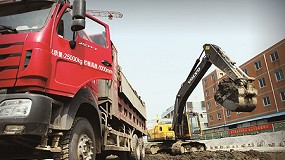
216	155
220	155
263	146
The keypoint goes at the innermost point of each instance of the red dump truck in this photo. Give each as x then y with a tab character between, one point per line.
62	92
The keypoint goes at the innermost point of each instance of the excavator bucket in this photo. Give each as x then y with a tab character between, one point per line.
236	97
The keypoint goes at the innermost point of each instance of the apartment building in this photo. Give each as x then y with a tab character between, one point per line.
268	68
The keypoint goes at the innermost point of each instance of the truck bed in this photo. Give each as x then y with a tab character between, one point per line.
126	104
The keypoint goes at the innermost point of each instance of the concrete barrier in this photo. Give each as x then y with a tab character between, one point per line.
263	141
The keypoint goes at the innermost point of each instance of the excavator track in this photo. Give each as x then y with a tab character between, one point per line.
181	147
175	148
153	148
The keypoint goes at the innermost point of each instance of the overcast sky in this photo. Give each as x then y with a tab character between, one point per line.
159	40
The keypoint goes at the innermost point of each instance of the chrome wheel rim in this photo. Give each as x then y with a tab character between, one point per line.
85	147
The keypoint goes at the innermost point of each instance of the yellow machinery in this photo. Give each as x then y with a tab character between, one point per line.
161	131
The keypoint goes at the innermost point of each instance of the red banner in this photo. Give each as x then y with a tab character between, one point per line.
251	129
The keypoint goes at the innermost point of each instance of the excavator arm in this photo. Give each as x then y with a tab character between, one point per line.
235	92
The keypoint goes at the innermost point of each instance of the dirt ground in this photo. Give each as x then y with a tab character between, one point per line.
217	155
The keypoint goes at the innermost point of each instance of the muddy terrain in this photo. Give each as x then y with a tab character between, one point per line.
217	155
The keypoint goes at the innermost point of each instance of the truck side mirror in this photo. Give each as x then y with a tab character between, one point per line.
78	15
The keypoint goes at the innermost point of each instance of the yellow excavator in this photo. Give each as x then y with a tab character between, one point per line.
235	92
162	132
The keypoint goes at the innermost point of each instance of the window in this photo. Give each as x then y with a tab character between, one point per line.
207	93
279	75
274	56
120	108
130	115
217	103
219	117
26	17
257	65
64	26
96	32
266	101
214	88
209	105
211	118
125	112
213	77
245	71
228	113
261	82
206	82
282	95
83	35
203	105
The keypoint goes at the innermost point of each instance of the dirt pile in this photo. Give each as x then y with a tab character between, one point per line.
214	155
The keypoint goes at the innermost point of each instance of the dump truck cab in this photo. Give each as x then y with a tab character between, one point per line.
52	58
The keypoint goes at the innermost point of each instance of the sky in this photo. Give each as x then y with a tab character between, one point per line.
158	41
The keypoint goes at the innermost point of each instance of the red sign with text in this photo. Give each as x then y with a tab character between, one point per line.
251	129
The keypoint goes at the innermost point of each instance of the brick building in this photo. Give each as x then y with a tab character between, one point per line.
268	68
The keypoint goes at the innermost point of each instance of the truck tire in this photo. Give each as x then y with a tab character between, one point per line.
135	150
78	143
142	148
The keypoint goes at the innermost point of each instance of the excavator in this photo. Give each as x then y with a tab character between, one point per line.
235	92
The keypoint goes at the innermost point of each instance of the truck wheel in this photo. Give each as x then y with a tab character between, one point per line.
142	148
135	152
78	143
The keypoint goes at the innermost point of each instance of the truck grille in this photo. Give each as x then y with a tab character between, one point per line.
10	56
8	45
4	56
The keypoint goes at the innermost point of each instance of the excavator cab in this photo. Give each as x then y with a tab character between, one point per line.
192	128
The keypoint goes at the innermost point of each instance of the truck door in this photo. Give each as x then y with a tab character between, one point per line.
73	68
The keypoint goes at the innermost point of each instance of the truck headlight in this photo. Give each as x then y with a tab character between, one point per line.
15	108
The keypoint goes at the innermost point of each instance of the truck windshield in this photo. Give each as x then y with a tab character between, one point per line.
23	16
